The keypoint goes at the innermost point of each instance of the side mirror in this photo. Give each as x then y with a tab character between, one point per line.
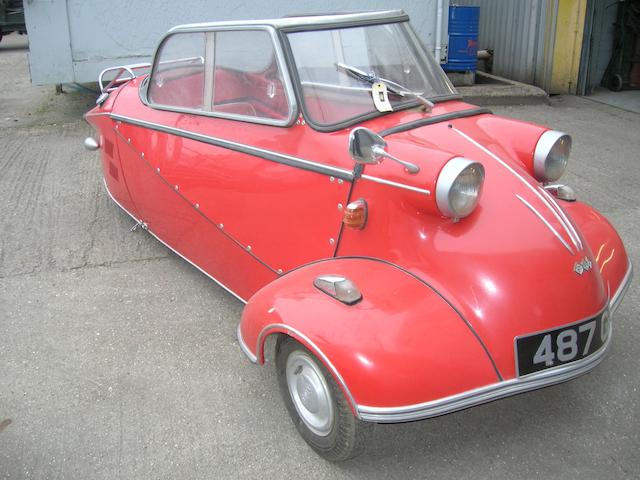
368	148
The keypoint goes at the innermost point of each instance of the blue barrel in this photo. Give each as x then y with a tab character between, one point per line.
463	39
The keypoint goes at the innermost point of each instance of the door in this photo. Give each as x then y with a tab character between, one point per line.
205	162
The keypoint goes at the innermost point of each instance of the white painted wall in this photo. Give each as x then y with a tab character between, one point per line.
72	40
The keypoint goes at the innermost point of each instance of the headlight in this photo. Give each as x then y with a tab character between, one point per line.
551	155
458	187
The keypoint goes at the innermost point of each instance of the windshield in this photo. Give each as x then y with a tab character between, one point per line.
326	61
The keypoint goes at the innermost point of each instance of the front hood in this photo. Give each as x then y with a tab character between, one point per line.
510	267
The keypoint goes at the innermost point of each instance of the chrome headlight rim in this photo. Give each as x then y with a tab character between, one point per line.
449	174
548	140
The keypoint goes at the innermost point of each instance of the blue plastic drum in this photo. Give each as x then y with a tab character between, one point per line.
463	39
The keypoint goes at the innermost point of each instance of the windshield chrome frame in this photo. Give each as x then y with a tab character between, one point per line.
293	70
280	59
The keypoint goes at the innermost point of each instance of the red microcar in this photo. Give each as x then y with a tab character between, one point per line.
411	253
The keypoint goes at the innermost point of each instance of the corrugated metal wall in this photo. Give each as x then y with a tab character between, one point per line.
518	33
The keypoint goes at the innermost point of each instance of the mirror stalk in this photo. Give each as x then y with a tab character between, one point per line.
409	167
368	148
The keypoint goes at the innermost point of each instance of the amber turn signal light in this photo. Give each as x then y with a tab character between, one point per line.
355	214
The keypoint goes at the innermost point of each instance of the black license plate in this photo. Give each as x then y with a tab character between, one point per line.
567	344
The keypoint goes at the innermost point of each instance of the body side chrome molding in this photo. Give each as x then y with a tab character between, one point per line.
574	234
279	327
391	183
546	223
243	346
216	225
472	112
622	289
91	114
139	221
567	227
484	394
272	156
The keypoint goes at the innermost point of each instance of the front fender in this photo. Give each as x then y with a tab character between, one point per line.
403	344
609	252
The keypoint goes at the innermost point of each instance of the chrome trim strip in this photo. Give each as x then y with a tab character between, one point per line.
137	220
242	148
282	65
333	86
396	184
243	346
97	114
572	231
484	394
275	326
567	227
121	69
622	289
301	21
547	224
216	225
535	190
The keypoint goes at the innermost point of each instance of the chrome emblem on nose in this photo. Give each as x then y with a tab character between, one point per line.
583	266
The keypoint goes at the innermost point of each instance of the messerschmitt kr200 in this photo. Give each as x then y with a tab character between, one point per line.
412	254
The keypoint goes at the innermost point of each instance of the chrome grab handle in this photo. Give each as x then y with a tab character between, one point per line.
129	69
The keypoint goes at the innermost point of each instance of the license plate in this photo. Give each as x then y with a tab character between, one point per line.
560	346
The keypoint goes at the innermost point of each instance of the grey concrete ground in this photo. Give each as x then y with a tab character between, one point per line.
626	99
119	360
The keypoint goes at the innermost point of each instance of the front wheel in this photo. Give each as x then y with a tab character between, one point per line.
316	404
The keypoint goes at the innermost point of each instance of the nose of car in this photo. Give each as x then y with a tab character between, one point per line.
511	265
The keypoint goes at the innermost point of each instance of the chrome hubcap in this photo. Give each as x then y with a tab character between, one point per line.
310	393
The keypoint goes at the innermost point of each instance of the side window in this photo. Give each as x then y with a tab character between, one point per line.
247	79
177	79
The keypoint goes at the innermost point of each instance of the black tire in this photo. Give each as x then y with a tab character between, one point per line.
615	82
346	436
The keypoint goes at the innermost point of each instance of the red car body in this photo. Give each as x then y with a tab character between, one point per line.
259	208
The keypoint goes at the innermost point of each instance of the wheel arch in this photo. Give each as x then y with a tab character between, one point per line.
281	330
278	330
400	334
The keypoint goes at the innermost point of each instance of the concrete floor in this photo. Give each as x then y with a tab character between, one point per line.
626	99
119	360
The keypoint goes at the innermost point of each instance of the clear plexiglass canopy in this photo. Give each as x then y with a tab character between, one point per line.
389	53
